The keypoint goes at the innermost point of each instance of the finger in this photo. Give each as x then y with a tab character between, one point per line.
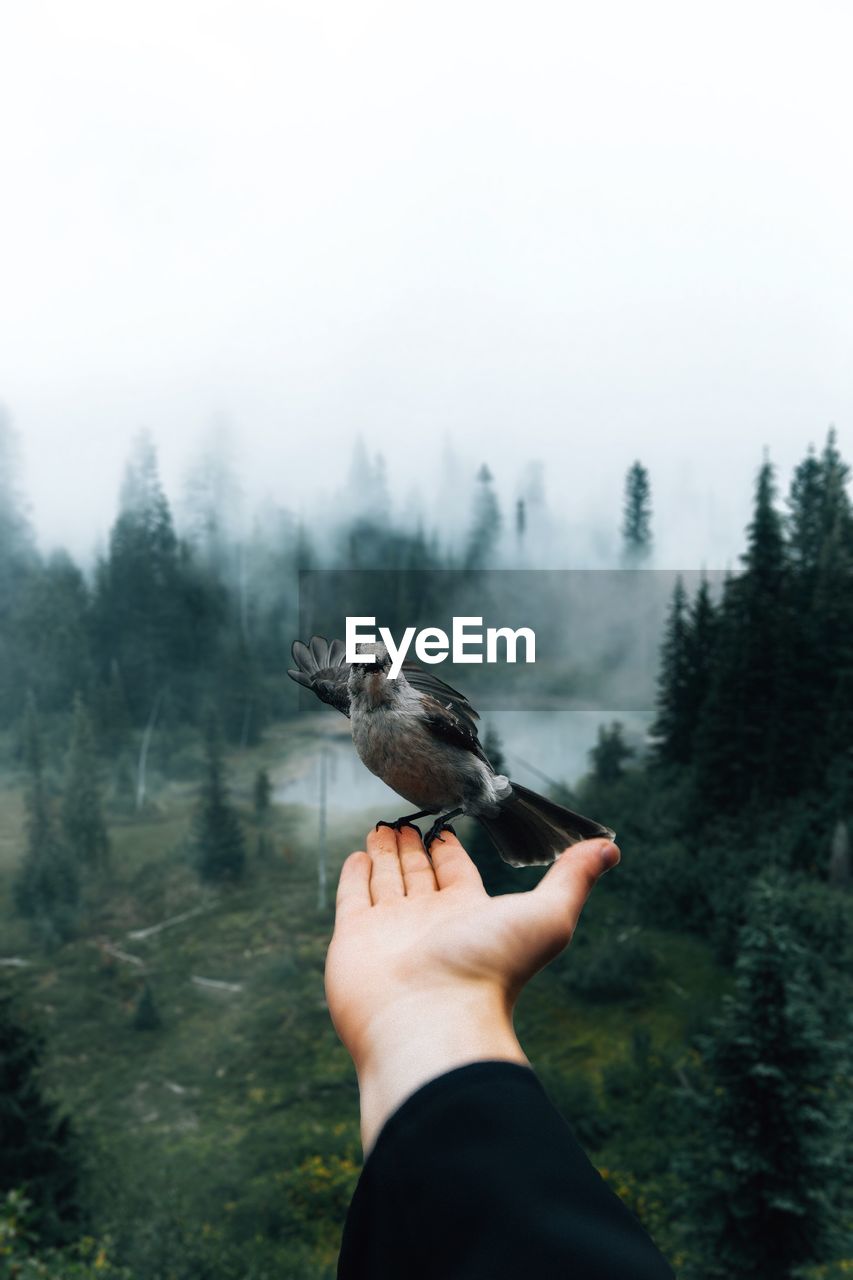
562	892
386	877
418	875
453	868
353	886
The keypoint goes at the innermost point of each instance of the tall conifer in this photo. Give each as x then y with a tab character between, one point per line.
486	523
760	1188
37	1145
220	849
637	515
47	888
740	745
82	817
672	729
610	753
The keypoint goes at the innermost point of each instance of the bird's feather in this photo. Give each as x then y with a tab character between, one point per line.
322	669
531	830
300	678
320	666
451	726
319	651
428	682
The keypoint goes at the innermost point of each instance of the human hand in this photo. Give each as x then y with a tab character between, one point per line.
424	968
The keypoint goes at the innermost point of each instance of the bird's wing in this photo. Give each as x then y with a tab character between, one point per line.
321	668
452	724
428	683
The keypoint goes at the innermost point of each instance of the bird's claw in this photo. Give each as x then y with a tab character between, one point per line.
397	824
435	831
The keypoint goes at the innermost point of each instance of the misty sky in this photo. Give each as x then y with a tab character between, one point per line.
578	232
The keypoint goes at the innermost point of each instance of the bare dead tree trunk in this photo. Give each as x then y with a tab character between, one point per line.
143	751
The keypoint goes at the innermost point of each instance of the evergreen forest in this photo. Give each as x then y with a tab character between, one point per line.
174	1104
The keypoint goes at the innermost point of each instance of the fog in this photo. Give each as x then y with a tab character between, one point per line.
574	233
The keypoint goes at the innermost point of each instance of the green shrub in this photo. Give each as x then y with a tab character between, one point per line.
616	966
20	1256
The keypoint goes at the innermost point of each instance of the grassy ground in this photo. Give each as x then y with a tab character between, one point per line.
225	1142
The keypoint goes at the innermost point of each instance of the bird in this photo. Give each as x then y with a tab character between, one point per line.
419	736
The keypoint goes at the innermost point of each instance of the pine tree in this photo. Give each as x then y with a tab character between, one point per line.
673	726
742	745
805	518
112	715
156	613
520	520
136	583
52	632
609	754
637	519
17	544
18	566
827	715
213	501
38	1151
486	524
831	624
765	554
701	635
47	888
836	475
721	776
220	851
686	663
760	1187
818	722
82	817
777	720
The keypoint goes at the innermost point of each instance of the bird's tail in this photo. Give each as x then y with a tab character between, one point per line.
529	830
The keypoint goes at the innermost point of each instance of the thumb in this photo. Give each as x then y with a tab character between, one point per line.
563	890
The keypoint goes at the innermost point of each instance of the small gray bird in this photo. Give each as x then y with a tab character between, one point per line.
420	737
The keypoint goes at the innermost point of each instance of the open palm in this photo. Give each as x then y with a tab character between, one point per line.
418	941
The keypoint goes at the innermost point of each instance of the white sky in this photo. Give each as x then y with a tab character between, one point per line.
581	232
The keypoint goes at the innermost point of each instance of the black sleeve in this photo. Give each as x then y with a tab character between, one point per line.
478	1177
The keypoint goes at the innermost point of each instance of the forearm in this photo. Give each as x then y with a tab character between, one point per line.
417	1040
474	1176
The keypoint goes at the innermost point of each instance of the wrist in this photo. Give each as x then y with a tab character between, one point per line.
416	1039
